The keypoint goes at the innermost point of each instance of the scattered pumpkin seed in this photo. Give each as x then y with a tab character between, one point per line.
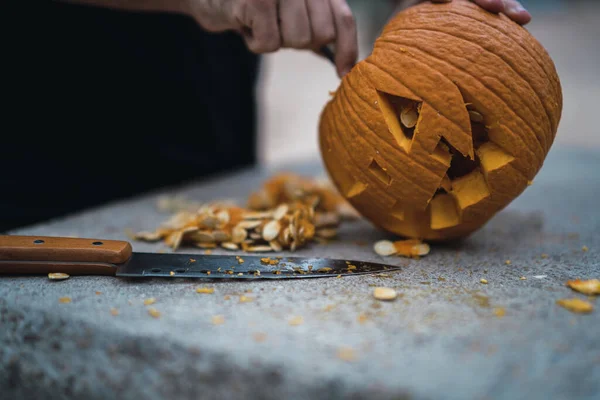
384	293
58	276
588	287
576	305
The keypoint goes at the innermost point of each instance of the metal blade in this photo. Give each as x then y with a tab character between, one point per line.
242	267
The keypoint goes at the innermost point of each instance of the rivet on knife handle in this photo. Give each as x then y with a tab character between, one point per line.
43	248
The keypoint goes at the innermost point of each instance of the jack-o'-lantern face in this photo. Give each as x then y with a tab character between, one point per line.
444	124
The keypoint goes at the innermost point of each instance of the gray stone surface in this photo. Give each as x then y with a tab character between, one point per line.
440	339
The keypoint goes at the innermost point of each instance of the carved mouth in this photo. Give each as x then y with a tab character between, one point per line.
465	183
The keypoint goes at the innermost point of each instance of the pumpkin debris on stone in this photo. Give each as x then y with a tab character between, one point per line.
287	212
589	287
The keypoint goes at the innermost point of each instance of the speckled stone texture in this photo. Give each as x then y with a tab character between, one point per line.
441	339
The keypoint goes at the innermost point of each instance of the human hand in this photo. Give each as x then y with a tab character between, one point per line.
511	8
269	25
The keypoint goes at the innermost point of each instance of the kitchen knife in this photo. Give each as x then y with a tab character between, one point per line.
32	255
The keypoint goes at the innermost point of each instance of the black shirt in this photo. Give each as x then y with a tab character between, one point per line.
100	104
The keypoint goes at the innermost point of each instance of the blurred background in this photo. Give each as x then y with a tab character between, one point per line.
295	85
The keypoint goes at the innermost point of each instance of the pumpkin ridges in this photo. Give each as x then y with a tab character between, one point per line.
541	58
393	91
467	9
339	175
349	162
340	171
465	131
409	164
533	154
538	156
500	22
529	71
545	132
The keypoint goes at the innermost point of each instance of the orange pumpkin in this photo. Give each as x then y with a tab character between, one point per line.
444	124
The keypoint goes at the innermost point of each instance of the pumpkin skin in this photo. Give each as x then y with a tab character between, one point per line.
488	100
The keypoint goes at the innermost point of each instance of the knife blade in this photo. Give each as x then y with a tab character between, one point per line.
33	255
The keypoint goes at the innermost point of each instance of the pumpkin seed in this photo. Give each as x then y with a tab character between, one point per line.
229	246
249	224
588	287
271	230
148	236
385	248
205	245
384	293
257	249
257	215
209	221
280	211
275	245
203	237
238	234
221	236
58	276
475	116
223	217
409	117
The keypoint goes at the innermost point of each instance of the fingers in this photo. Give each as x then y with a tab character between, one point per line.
295	25
346	41
259	25
495	6
511	8
515	11
301	24
321	22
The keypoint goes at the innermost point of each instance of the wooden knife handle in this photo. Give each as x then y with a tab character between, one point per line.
61	249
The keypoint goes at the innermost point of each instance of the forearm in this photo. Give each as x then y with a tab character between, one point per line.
173	6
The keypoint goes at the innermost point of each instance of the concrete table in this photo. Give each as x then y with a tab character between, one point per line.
444	338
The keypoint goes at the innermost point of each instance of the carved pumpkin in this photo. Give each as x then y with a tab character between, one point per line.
444	124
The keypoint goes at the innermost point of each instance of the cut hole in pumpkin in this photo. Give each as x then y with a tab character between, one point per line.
354	190
401	116
398	211
380	172
478	130
461	165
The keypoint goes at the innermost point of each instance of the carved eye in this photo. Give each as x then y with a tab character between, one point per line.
444	124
